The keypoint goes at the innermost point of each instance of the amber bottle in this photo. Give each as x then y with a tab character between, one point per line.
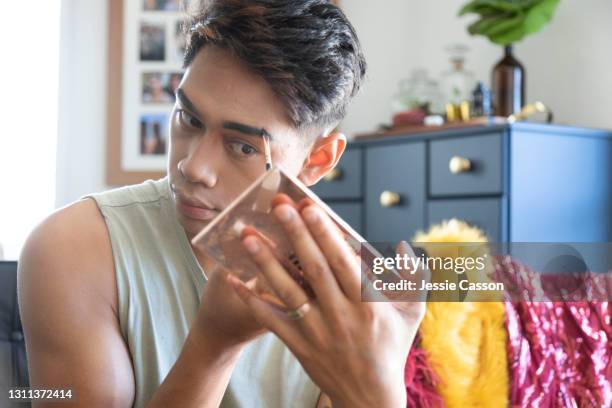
508	85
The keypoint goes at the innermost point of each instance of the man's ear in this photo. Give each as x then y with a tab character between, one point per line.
323	156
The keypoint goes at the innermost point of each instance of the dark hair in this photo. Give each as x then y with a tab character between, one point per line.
306	50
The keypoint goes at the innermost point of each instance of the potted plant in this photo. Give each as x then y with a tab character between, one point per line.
506	22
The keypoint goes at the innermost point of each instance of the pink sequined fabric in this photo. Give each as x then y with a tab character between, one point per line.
559	353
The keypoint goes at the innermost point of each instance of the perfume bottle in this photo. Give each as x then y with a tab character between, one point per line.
457	83
508	85
481	101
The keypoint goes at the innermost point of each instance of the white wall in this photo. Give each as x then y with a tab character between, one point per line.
81	152
569	67
28	114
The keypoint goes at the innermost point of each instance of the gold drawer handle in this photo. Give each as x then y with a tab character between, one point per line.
389	199
458	164
334	174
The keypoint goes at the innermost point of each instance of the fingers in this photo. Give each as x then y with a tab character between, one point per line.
290	293
282	198
268	316
282	284
340	256
315	267
285	287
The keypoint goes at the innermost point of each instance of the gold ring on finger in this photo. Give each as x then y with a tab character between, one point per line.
298	312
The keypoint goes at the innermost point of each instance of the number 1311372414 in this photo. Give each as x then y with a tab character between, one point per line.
32	394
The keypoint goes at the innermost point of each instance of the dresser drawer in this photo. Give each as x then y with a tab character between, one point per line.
345	180
466	166
394	171
484	213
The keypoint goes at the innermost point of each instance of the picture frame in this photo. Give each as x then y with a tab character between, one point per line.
145	48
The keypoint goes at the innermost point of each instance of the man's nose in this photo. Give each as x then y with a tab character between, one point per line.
203	162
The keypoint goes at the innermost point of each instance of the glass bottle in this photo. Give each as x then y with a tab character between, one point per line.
481	101
508	85
457	83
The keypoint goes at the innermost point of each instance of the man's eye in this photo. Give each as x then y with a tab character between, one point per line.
242	149
189	121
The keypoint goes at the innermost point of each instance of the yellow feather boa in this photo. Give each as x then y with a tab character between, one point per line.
465	342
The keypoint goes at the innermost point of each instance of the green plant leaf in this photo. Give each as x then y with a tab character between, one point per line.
469	7
508	21
505	25
485	7
482	25
509	36
525	4
539	15
502	5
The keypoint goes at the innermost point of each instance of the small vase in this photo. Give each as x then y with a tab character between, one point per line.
508	85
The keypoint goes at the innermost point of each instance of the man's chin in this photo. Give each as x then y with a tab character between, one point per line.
192	226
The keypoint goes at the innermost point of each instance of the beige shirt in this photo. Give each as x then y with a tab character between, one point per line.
160	284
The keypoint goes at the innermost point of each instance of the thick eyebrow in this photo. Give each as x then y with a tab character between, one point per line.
240	127
249	130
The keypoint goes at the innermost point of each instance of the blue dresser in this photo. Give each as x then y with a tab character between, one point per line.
519	183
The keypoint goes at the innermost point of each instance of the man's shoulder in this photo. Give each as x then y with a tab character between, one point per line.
145	192
79	225
70	247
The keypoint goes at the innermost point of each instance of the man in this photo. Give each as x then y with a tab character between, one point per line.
113	296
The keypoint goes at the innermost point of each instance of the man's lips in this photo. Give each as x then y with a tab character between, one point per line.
195	210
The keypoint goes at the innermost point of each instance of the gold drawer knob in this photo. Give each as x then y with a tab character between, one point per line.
334	174
389	199
458	164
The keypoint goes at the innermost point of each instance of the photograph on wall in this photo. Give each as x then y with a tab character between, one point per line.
152	42
153	133
160	87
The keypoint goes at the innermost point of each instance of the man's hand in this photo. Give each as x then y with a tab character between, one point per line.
355	351
223	315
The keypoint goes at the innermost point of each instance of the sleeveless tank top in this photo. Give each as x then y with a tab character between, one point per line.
160	284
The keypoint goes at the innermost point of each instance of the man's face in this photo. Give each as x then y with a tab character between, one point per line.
210	161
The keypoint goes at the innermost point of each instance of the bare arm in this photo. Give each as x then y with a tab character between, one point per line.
68	301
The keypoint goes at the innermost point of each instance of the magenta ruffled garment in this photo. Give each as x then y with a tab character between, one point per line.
559	353
420	380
